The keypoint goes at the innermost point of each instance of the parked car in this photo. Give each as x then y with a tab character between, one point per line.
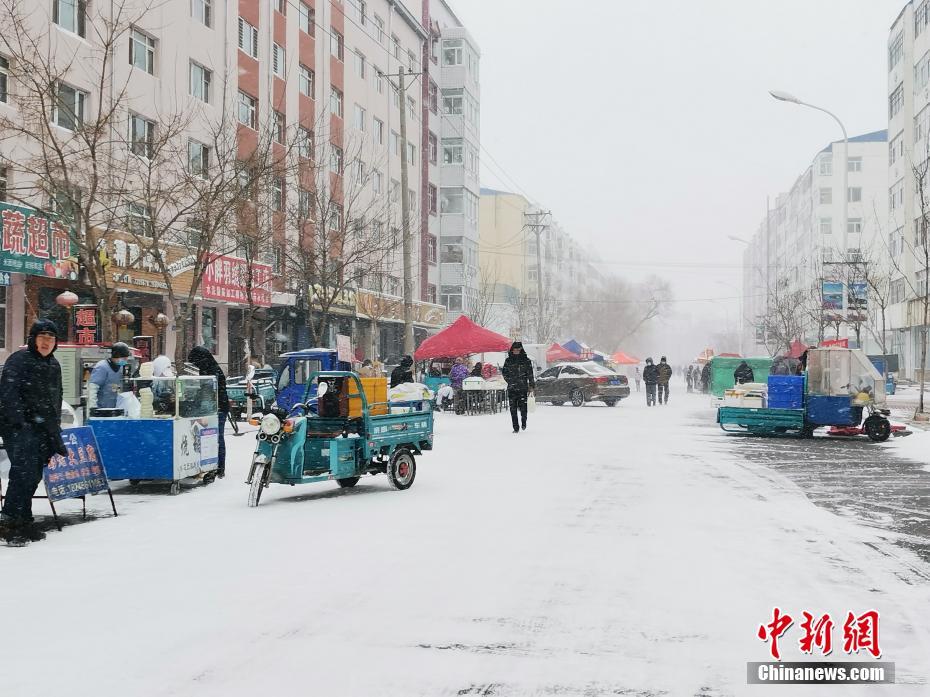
581	382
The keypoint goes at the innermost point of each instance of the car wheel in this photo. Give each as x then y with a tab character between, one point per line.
577	398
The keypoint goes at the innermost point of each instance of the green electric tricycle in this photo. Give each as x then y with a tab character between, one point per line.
345	439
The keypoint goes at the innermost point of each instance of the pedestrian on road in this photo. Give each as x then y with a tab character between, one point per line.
204	361
638	377
106	379
518	372
456	377
651	378
665	374
30	423
743	374
705	378
689	379
402	373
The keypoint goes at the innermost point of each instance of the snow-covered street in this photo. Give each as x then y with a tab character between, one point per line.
621	550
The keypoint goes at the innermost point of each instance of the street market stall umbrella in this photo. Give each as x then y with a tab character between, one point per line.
462	338
621	358
557	353
583	350
797	349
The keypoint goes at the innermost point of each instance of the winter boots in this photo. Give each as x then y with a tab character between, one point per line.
20	534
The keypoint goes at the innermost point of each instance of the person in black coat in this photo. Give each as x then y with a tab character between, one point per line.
30	423
518	373
402	373
651	378
204	361
705	378
743	374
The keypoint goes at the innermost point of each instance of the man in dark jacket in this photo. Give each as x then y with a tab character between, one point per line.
705	378
204	361
518	372
665	374
402	373
651	378
743	374
30	423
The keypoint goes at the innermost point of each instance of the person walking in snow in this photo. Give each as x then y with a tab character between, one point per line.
456	377
203	360
665	374
30	423
705	378
651	378
689	379
518	372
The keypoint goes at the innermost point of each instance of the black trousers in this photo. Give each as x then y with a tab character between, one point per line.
28	455
517	402
650	394
663	392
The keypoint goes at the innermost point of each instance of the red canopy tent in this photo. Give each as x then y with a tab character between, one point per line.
729	355
462	338
797	349
556	353
622	358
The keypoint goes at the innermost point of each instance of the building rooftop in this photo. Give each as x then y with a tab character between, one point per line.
873	137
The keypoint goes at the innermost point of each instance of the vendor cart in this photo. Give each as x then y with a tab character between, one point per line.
175	439
840	386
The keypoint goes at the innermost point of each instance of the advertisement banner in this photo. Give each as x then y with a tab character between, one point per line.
78	473
344	348
391	309
858	296
832	295
226	278
196	445
34	244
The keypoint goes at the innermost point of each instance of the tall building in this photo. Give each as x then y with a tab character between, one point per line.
801	241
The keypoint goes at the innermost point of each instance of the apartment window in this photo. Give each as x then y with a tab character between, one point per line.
452	298
896	101
335	102
826	226
336	43
248	38
412	154
431	290
360	65
377	181
277	193
379	80
198	159
452	52
361	175
379	29
247	110
202	11
359	118
142	51
335	218
453	102
200	82
412	108
433	97
893	147
411	61
304	202
395	191
471	207
139	220
305	143
395	143
854	226
433	144
335	160
921	17
4	80
395	42
826	166
854	164
854	194
377	131
278	60
895	50
141	136
279	127
281	6
248	180
395	96
306	19
826	195
433	196
431	252
453	151
70	15
452	201
4	183
306	81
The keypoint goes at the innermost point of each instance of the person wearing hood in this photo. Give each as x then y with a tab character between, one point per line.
456	378
106	379
705	378
204	361
402	373
665	374
743	374
518	373
30	423
651	378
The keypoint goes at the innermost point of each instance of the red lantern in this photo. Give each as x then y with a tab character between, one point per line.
160	320
124	318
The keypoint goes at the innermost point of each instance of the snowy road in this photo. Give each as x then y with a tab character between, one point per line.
624	551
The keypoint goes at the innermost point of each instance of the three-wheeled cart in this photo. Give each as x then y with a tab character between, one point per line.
841	386
178	440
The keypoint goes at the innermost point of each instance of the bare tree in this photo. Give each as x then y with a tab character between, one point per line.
483	303
785	317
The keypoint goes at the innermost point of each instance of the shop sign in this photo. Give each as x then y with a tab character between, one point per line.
4	278
78	473
225	279
343	304
138	269
344	348
86	325
144	345
34	244
391	309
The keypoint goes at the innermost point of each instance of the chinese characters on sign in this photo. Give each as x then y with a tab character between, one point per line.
860	633
226	278
78	473
34	244
86	325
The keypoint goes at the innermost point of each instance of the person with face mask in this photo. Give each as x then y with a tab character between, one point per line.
518	373
106	379
30	423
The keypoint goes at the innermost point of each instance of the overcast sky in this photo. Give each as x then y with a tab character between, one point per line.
647	128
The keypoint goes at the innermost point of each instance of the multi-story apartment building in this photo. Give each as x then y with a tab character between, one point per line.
318	79
800	241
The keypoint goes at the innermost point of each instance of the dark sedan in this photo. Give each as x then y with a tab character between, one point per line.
581	382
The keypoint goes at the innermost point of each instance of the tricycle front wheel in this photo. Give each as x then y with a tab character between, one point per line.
402	469
258	484
877	428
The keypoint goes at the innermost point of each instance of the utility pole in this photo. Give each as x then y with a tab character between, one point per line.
405	219
537	227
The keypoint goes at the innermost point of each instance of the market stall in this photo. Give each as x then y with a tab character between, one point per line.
173	437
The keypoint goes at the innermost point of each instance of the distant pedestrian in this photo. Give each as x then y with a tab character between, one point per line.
518	372
402	373
705	378
30	423
743	374
203	360
457	377
665	374
651	378
638	377
689	379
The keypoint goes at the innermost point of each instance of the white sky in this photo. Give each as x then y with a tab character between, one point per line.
647	128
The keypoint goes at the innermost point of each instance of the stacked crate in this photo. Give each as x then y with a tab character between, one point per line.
786	392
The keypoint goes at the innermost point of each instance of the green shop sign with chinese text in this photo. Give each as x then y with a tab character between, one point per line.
34	244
